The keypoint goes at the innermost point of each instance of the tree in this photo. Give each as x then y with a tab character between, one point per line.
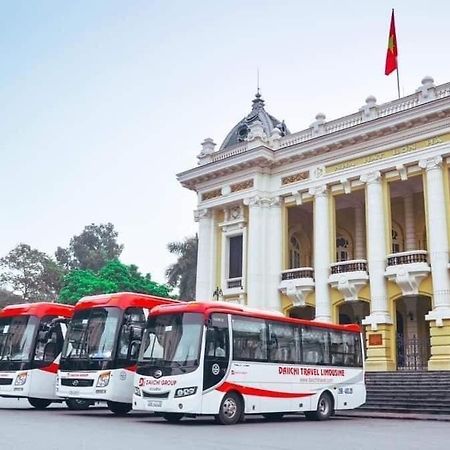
8	298
92	249
113	277
183	273
30	273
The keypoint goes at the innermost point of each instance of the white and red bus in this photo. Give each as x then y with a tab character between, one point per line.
31	339
101	348
228	361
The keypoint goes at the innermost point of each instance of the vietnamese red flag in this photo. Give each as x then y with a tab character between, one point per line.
391	56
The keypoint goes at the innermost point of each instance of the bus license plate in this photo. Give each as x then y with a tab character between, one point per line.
154	403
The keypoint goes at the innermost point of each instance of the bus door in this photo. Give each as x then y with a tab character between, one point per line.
217	351
49	342
130	337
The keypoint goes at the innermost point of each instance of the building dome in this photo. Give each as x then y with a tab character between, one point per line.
240	132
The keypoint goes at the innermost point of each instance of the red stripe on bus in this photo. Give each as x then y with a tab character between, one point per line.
52	368
131	368
246	390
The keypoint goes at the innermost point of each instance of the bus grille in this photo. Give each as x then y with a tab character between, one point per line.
75	382
155	394
5	381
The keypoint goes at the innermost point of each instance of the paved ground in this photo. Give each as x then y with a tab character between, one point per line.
22	428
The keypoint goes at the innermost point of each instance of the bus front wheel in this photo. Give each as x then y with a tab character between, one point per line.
324	408
173	417
39	403
119	409
231	409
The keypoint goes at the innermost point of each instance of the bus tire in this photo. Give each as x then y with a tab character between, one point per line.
324	408
231	409
39	403
273	416
118	408
173	417
78	404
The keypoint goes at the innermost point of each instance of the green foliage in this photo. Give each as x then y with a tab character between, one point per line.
113	277
183	273
91	249
30	273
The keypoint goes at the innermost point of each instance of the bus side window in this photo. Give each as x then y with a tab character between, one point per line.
49	341
249	339
358	350
315	346
282	345
131	333
217	342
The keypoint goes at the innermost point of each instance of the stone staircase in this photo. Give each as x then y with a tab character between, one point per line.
403	392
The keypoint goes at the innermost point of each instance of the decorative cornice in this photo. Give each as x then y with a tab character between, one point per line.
371	177
203	213
262	202
242	185
318	191
211	194
431	163
296	177
407	116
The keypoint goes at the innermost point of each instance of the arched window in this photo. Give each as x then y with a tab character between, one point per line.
294	252
397	238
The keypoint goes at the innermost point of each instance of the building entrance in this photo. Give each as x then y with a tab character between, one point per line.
302	312
412	333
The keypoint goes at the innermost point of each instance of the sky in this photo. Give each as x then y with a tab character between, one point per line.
102	102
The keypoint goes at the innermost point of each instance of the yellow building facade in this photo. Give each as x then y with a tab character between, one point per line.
345	222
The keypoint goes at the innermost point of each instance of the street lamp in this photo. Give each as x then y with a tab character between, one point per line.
218	293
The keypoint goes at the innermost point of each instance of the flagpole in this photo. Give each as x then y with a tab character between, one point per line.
398	82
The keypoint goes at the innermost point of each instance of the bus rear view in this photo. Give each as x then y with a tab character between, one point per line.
31	339
227	361
101	348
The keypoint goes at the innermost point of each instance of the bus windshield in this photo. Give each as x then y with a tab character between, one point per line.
173	340
16	338
92	334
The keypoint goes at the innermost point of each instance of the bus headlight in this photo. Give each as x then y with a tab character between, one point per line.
137	391
184	392
103	379
21	379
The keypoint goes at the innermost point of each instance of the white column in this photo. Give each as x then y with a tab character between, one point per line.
410	224
437	238
360	252
255	253
206	256
376	250
273	254
322	257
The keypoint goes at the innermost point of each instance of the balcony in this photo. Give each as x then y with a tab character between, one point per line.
297	284
233	283
408	270
233	287
349	277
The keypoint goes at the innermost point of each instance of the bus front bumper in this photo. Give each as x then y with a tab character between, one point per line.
87	386
183	405
12	386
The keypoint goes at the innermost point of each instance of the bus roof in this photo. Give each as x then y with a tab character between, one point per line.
223	307
122	300
37	309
